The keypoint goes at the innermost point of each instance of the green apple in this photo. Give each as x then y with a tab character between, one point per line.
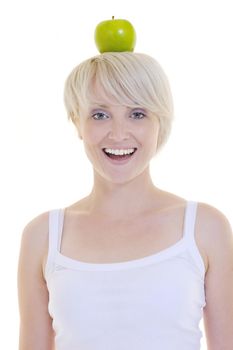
115	35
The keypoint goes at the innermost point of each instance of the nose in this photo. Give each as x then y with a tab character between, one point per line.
119	130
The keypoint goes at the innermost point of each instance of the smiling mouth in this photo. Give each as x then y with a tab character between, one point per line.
119	156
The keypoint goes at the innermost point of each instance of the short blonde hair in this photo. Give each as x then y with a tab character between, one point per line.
132	79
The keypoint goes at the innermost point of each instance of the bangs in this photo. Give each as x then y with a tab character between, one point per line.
124	80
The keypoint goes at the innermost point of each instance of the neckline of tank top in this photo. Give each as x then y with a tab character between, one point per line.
162	255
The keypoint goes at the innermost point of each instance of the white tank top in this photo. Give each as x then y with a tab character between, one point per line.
151	303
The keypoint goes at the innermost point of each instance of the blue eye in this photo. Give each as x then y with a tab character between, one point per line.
99	116
138	115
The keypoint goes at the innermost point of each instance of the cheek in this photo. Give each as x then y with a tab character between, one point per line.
152	137
92	135
155	129
150	133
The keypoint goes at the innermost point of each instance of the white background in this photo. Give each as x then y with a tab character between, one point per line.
43	165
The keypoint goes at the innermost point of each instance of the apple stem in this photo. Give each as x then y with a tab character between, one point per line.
112	17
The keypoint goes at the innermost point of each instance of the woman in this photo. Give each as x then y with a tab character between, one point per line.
130	266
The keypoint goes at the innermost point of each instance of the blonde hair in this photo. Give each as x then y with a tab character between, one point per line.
132	79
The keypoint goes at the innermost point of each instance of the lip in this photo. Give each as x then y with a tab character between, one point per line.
120	161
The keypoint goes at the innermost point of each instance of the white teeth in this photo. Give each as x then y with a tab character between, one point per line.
119	151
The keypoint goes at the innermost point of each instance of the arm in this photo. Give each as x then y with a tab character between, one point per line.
218	313
36	331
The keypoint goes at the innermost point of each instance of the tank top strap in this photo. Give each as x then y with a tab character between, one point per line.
189	235
190	220
56	218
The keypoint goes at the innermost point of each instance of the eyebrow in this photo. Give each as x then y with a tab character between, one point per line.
99	105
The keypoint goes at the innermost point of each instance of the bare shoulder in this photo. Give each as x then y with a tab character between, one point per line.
34	241
213	222
36	230
35	322
214	232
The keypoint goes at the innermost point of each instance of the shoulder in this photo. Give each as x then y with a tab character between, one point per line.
213	221
217	235
37	229
34	239
35	322
214	232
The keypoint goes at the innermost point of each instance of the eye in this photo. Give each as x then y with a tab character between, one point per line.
99	116
138	115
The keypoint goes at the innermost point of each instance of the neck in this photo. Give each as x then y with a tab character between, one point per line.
127	199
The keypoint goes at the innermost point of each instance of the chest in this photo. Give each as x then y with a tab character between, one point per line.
104	241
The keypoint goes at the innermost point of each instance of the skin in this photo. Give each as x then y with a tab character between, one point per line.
86	238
